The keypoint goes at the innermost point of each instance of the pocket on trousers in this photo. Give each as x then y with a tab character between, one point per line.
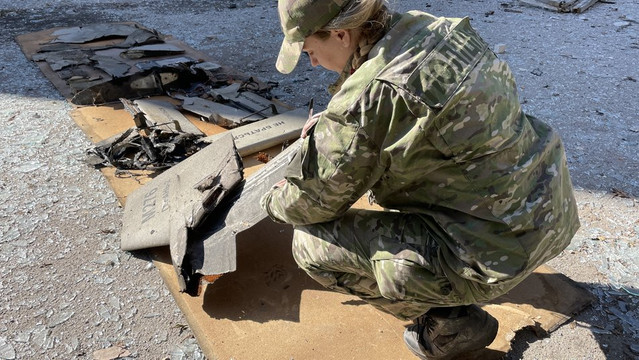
405	274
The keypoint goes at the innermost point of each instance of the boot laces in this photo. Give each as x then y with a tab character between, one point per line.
425	327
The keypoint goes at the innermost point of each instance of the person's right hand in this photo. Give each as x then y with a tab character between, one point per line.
309	124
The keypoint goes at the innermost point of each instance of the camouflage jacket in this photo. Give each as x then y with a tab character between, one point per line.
431	124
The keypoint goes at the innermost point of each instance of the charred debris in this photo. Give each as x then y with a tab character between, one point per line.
126	62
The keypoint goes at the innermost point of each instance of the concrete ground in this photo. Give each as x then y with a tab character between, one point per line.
67	290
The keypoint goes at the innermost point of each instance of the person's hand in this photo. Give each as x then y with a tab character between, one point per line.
279	184
309	124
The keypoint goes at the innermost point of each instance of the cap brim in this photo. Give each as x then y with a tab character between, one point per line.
289	56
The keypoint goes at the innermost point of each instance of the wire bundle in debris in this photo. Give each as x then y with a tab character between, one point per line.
133	150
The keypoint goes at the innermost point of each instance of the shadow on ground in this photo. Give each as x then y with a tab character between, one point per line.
268	285
612	319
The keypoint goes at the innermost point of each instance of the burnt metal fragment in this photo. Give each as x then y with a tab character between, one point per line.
217	113
133	150
162	114
59	60
158	80
150	50
93	32
112	66
141	36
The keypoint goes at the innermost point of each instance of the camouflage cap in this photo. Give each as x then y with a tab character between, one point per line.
299	19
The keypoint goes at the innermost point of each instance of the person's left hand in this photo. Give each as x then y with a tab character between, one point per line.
280	183
309	124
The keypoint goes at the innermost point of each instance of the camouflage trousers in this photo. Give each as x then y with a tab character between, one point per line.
389	259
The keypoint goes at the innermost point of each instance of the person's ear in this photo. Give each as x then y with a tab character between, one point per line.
344	36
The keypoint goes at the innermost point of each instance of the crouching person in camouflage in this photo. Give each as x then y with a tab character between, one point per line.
426	119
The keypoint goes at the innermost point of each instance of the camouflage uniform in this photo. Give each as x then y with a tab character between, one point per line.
478	193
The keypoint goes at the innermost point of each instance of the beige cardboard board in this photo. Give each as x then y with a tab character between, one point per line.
269	309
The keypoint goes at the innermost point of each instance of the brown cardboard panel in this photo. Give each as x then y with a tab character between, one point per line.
269	309
123	184
102	122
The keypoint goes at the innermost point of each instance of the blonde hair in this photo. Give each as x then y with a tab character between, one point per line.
368	16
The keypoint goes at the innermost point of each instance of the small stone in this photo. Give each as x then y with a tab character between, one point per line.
114	352
178	354
6	350
500	48
115	302
73	345
60	318
41	337
131	313
22	337
621	24
10	235
104	312
104	280
161	337
108	259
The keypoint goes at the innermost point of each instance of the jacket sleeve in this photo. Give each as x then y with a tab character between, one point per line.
338	162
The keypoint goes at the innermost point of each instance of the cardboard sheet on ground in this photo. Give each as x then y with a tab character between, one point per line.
269	309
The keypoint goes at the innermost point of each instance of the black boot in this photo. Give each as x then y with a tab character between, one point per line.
443	333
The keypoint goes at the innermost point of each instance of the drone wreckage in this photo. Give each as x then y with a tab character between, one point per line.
198	199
